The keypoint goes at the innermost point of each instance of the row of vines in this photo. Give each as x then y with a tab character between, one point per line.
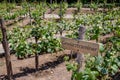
40	36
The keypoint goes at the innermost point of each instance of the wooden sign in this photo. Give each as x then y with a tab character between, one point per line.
80	46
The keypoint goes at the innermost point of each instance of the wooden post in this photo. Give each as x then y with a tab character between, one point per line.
30	14
44	5
6	49
36	54
79	5
80	56
61	14
65	0
50	1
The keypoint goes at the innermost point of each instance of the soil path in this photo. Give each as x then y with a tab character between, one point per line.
51	67
56	16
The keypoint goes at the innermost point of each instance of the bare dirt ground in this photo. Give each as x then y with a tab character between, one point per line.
51	67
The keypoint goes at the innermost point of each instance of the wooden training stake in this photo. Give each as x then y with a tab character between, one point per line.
36	55
6	49
61	14
80	57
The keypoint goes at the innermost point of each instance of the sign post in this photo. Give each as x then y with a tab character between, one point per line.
81	47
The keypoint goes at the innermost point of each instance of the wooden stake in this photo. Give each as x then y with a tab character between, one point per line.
6	49
30	14
80	56
36	55
50	1
61	14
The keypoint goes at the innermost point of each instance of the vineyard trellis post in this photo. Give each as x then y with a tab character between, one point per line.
61	14
6	49
44	5
51	1
80	56
36	55
29	10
